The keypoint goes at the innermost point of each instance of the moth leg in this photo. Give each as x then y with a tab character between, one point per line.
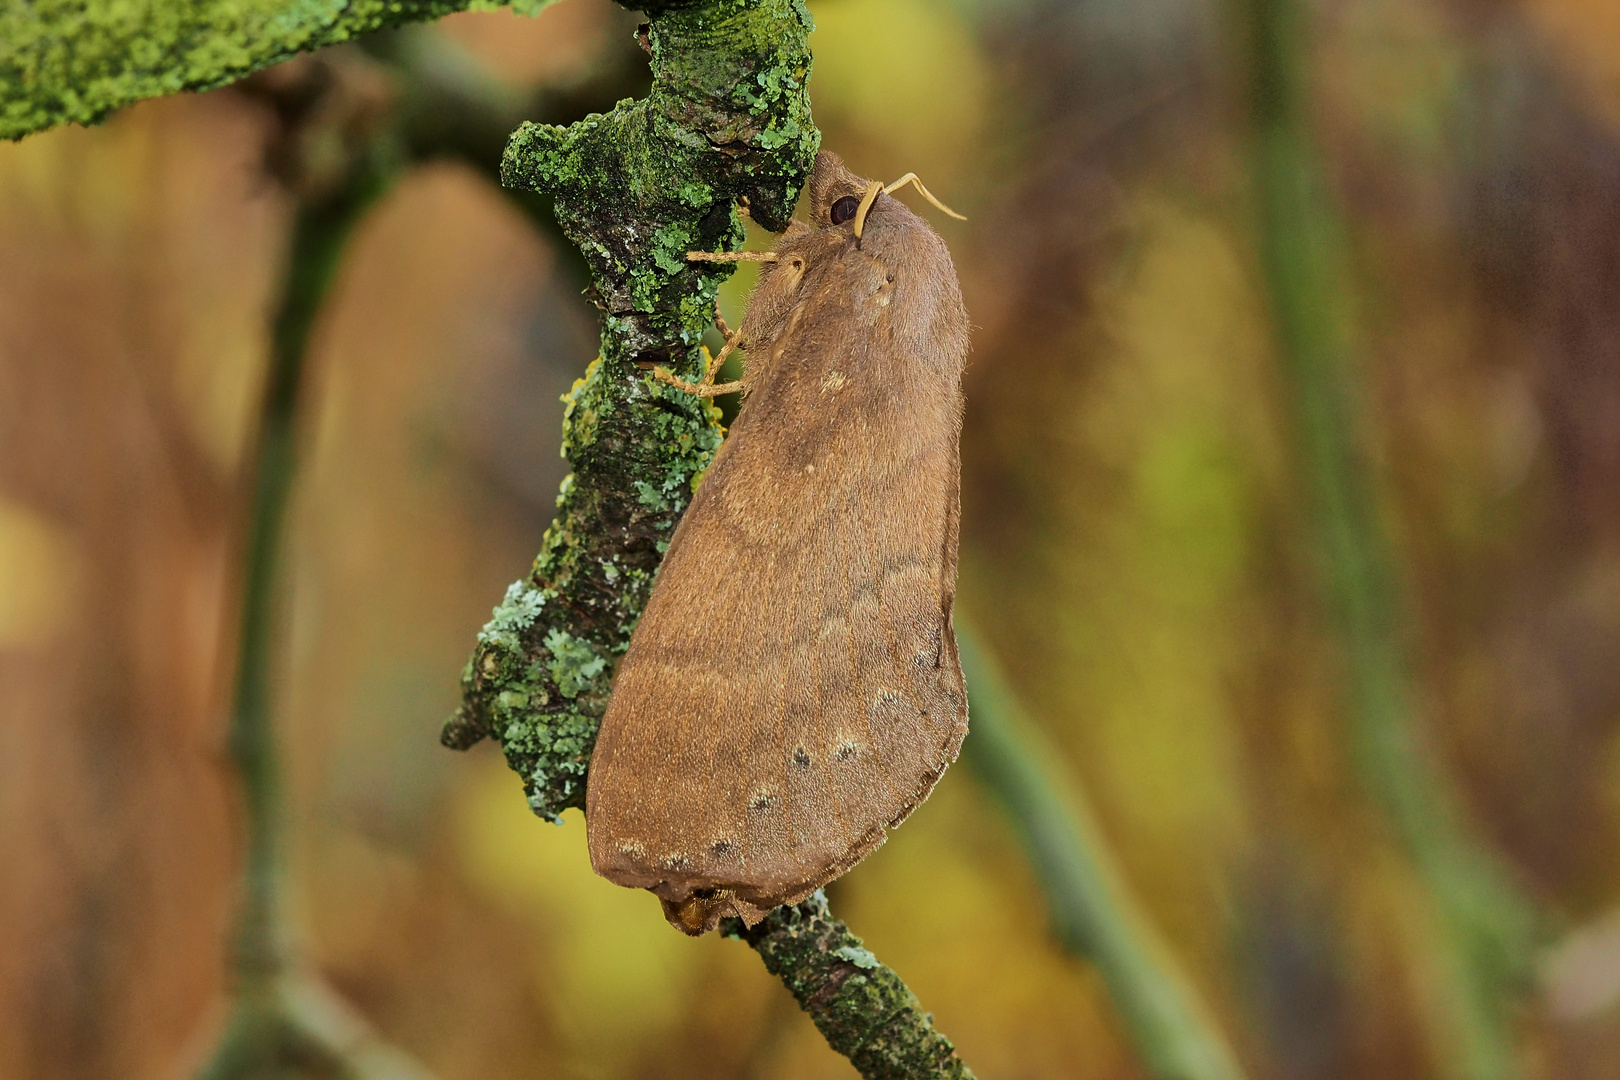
703	389
720	322
731	256
911	178
732	341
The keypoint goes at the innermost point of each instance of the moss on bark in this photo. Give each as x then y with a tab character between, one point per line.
67	61
727	119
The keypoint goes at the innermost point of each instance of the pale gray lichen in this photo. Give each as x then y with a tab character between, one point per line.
515	614
575	664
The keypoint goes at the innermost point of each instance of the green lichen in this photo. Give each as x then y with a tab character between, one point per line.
727	119
68	61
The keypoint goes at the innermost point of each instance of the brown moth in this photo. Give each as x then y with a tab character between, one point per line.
792	689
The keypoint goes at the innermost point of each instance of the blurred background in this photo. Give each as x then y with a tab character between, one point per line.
1137	546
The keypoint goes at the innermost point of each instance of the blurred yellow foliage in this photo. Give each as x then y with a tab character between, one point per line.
615	969
40	571
902	83
1588	32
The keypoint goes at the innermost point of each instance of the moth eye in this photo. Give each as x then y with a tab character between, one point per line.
844	209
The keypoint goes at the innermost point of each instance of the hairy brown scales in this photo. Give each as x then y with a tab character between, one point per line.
793	686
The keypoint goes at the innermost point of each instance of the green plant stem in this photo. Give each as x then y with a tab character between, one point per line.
1487	925
319	235
863	1009
279	1019
1093	912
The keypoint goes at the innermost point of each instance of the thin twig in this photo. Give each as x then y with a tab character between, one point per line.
283	1016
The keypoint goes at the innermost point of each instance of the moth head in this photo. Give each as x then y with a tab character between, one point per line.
838	197
835	192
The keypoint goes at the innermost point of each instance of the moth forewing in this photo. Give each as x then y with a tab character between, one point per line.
792	688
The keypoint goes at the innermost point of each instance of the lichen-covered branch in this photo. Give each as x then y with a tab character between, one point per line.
67	61
727	119
861	1008
1093	912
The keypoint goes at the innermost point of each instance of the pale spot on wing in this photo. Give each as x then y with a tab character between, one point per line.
833	627
915	579
760	788
927	646
811	802
889	706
